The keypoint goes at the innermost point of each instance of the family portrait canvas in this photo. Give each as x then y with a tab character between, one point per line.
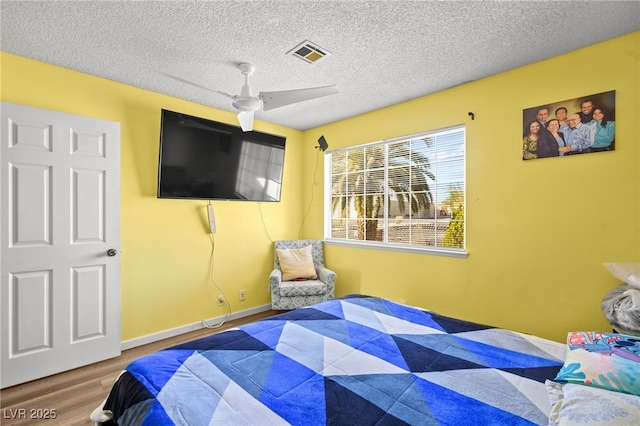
575	126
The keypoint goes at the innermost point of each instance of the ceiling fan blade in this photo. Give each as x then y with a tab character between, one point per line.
273	100
182	80
246	120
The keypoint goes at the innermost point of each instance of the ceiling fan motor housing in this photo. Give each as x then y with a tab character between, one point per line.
246	101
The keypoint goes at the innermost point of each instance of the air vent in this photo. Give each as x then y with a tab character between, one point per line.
308	52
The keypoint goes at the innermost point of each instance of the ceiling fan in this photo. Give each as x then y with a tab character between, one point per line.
247	102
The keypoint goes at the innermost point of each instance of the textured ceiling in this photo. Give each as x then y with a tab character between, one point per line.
382	53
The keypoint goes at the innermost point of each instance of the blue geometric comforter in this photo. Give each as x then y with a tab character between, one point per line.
352	361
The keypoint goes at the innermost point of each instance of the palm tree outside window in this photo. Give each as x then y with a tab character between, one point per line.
407	192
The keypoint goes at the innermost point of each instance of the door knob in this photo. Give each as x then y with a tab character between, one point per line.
112	252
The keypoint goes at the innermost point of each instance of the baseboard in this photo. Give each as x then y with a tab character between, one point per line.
150	338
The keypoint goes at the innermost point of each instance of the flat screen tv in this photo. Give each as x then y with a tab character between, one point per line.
205	159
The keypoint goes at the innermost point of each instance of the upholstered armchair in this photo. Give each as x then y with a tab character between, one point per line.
299	277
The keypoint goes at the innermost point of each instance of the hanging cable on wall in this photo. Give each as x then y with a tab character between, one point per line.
264	225
211	271
322	145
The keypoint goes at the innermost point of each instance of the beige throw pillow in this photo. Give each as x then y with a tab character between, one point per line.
296	263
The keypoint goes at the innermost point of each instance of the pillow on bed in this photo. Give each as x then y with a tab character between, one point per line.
296	263
605	360
578	405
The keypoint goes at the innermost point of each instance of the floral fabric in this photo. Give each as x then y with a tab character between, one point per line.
604	360
584	405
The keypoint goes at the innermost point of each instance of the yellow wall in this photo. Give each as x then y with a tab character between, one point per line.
165	243
537	231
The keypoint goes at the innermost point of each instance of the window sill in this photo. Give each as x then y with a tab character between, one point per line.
398	248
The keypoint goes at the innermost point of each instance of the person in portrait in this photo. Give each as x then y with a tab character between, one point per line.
604	130
530	140
542	115
578	137
561	116
555	138
586	111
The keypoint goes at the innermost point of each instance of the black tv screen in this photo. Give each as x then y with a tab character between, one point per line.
206	159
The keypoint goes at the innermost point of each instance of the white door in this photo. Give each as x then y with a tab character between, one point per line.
59	242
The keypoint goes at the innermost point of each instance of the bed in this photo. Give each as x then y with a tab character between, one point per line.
356	360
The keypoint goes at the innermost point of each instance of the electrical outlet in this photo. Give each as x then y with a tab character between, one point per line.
243	295
220	300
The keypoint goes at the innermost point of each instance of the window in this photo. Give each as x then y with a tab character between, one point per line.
406	193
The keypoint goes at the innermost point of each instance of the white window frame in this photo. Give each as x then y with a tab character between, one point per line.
385	244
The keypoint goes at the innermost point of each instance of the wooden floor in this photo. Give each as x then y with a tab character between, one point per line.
73	395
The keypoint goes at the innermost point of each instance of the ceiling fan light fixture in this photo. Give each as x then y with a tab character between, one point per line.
308	52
